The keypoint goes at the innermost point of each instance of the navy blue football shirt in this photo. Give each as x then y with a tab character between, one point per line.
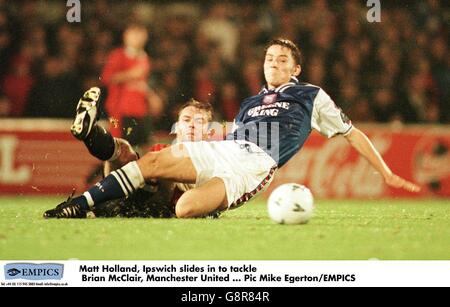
280	120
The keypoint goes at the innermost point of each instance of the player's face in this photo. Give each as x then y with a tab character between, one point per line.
192	125
135	38
279	66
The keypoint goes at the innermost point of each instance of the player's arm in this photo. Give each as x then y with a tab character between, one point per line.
111	68
329	120
124	153
364	146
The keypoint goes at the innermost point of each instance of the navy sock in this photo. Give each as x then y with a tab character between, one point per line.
120	183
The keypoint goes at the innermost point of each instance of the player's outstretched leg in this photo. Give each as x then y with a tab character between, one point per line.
124	181
119	184
86	115
100	143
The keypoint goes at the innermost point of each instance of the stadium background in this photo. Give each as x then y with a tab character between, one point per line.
386	75
392	78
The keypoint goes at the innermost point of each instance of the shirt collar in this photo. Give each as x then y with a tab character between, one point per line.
282	87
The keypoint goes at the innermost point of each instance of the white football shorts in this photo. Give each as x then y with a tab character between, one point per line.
245	168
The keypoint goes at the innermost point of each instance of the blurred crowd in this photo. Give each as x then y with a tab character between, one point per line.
394	70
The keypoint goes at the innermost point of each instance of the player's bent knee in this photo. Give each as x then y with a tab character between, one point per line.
193	204
184	210
188	207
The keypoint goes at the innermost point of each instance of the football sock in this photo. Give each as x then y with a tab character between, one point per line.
120	183
101	143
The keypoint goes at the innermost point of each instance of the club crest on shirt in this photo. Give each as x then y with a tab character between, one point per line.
268	99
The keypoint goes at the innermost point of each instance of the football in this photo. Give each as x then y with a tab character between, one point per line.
291	203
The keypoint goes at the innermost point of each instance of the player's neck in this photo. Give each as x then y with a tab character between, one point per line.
272	87
133	52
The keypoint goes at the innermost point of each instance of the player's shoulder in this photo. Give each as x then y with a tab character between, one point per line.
303	87
117	53
304	90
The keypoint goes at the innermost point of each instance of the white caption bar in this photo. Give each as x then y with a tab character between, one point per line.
229	273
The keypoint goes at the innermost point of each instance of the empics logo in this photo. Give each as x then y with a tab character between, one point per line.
32	271
13	272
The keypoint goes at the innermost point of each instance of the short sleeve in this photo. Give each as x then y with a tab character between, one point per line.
327	118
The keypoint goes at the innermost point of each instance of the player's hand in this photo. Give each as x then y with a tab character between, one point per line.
398	182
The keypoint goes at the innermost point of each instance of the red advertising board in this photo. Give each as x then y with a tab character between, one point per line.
41	157
332	169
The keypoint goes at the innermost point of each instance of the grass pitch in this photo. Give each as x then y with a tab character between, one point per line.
345	229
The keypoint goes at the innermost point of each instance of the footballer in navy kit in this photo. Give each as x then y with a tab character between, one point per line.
282	118
269	129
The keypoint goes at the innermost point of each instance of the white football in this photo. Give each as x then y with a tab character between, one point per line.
291	203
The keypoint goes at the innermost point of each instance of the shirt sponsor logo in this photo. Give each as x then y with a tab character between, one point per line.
268	109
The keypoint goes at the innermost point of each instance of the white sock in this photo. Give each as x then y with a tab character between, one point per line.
133	174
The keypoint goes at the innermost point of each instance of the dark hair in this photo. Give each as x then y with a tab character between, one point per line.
204	106
296	53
